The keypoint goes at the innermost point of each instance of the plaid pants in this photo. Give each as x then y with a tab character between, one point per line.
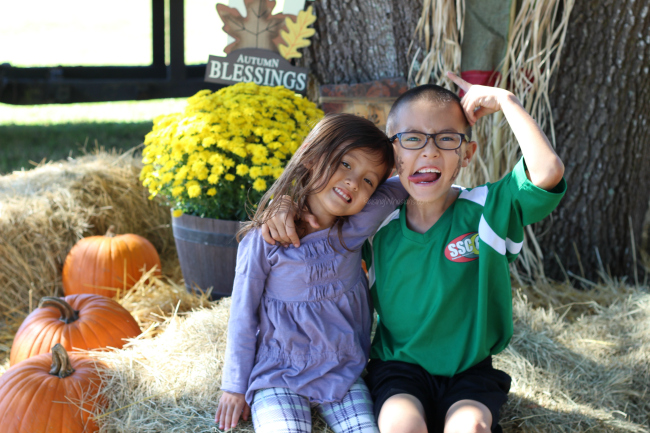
280	410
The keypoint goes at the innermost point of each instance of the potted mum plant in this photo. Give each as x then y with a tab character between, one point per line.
214	160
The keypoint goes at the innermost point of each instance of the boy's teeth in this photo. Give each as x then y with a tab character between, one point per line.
428	170
342	194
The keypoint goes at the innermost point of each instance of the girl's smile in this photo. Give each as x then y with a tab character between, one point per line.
343	194
349	189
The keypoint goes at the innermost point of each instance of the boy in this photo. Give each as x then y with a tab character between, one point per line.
438	266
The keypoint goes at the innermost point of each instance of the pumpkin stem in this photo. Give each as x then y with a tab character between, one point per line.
111	231
68	314
61	365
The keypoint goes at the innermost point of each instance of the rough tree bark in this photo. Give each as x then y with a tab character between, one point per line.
601	106
361	40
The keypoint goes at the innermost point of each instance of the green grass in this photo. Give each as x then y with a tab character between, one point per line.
121	111
54	132
76	32
21	144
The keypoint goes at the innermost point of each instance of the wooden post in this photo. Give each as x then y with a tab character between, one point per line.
158	33
177	40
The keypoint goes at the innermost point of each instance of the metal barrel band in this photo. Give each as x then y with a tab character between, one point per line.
205	238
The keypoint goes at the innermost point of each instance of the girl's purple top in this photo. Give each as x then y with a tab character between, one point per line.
300	317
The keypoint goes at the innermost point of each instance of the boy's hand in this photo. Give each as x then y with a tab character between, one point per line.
282	227
231	406
479	101
545	169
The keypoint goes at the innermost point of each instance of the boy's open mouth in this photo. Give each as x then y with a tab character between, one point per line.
425	175
342	194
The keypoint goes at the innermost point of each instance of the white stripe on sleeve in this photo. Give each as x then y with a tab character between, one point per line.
488	236
513	247
478	195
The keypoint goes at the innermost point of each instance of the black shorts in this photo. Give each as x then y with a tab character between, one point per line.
481	383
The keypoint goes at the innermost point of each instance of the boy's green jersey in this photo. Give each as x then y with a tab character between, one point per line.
443	298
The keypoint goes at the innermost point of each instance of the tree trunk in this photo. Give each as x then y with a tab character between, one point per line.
361	40
601	106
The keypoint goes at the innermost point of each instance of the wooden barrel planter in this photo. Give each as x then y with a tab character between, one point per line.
207	251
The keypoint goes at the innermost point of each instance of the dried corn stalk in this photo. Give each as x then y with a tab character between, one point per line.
441	29
535	41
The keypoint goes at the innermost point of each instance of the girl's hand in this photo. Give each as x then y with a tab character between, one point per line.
282	227
231	406
480	101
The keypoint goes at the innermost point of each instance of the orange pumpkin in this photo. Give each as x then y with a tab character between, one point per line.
50	393
104	265
77	322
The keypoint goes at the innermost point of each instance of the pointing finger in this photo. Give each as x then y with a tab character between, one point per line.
459	81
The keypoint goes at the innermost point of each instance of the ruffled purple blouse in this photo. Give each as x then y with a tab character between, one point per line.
300	317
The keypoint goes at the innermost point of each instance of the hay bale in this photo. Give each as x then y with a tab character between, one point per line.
153	300
590	374
45	211
587	374
170	383
579	359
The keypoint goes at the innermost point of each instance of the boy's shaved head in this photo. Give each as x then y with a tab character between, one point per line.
432	93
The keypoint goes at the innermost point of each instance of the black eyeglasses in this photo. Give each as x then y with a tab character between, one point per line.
417	140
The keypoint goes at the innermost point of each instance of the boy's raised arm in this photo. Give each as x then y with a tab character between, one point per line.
545	169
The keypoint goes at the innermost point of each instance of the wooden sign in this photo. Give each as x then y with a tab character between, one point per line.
262	43
262	67
371	100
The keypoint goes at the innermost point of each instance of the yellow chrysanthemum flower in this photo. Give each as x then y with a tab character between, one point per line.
242	170
277	172
177	190
255	172
194	191
249	128
259	185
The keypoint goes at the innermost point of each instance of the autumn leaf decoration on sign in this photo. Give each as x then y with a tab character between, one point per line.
264	43
298	34
260	29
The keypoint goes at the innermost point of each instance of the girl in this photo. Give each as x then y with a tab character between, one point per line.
299	329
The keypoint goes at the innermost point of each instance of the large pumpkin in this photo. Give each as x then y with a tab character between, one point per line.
104	265
77	322
50	393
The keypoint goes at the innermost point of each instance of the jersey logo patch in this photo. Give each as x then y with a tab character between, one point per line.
463	249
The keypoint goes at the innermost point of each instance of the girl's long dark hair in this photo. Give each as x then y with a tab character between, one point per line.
316	161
